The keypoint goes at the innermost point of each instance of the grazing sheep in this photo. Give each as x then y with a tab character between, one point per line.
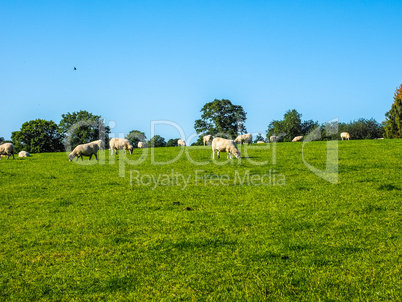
100	143
88	149
23	154
142	145
244	139
297	138
181	142
120	144
273	138
345	135
260	142
224	145
7	149
207	139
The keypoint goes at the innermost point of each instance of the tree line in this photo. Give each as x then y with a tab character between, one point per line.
219	118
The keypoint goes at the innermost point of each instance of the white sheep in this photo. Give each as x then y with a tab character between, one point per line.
244	139
181	142
23	154
224	145
7	149
88	149
297	138
345	135
142	145
100	143
273	138
260	142
120	144
207	139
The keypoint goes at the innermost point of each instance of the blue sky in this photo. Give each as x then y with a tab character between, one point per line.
143	61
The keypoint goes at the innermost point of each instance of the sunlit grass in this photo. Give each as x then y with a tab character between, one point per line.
201	229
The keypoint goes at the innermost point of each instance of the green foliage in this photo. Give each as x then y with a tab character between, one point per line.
74	232
221	118
259	137
157	141
291	126
365	129
172	142
37	136
393	120
82	127
360	129
1	140
136	136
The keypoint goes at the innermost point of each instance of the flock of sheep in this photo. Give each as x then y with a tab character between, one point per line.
218	144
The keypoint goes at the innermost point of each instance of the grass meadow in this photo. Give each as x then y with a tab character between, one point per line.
263	228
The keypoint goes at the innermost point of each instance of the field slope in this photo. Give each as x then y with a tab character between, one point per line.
261	228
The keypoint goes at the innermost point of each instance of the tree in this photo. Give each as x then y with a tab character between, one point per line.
136	136
82	127
365	129
259	137
291	126
172	142
38	136
1	140
393	118
221	118
157	141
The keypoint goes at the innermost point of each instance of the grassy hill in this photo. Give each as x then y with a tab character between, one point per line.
261	228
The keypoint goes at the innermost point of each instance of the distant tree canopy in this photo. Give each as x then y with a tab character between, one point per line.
38	136
1	140
360	129
221	118
259	137
82	127
291	126
393	118
136	136
172	142
157	141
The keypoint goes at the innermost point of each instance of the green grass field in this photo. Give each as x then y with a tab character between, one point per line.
196	229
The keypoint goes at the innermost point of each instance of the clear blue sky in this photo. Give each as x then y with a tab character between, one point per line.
139	61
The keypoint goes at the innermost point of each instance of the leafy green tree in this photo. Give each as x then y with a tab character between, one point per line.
136	136
38	136
157	141
259	137
172	142
82	127
221	118
393	118
290	126
365	129
1	140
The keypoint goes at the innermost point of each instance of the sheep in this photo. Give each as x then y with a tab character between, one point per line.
100	143
222	144
260	142
345	135
142	145
207	139
120	144
7	149
273	138
88	149
181	142
297	138
244	139
23	154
